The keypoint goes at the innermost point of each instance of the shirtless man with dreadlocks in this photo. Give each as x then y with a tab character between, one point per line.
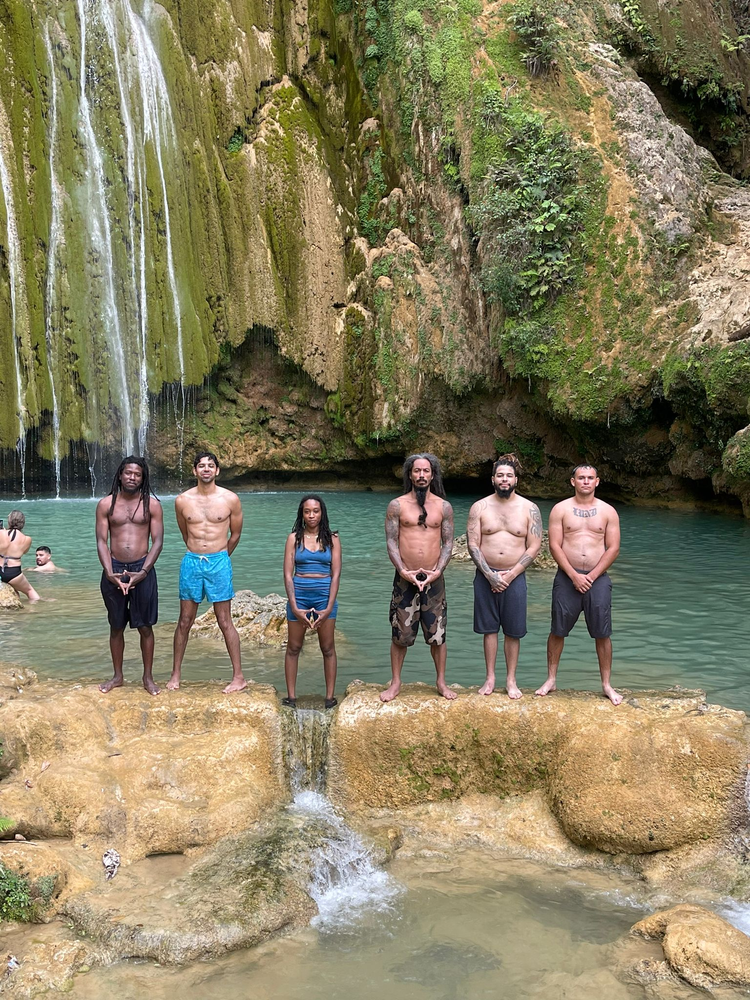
419	535
125	519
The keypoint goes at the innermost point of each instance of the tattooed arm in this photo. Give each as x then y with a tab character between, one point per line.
533	543
474	541
611	545
446	547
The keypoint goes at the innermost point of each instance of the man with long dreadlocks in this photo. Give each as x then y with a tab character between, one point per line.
419	535
125	519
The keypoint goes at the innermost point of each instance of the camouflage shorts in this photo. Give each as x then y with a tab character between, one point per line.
411	608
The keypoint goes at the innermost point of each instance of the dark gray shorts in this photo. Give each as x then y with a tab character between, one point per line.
568	603
506	610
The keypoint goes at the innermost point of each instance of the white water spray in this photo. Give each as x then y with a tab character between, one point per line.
17	294
346	883
52	250
101	234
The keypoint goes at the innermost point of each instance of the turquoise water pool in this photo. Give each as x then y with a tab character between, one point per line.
681	594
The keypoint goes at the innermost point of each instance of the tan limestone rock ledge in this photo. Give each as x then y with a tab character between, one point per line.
699	946
9	599
145	775
658	772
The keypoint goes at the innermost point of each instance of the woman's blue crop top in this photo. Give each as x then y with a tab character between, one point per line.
312	562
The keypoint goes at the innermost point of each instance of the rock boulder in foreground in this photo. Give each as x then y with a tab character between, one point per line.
660	771
700	946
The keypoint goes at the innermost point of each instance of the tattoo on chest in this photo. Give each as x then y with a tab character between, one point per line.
584	511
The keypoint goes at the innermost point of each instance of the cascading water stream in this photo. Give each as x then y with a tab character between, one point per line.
101	234
17	290
52	251
346	883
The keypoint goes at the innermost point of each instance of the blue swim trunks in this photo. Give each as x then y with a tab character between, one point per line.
206	577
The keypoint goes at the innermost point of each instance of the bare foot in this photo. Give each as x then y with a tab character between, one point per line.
610	693
236	684
445	691
150	685
173	684
514	691
391	691
548	686
107	686
489	685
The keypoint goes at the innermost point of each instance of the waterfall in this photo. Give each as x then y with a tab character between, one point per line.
101	235
17	292
52	250
346	882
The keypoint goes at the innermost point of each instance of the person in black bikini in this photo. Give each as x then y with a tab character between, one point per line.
13	545
312	567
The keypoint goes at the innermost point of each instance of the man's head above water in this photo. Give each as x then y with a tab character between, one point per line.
43	555
505	474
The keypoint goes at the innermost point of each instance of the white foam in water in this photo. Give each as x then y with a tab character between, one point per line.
346	885
738	914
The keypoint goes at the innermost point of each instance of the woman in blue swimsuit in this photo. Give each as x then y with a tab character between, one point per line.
312	567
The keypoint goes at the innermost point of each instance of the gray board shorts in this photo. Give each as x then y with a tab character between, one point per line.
506	610
568	603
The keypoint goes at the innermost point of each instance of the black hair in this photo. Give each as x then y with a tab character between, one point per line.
584	465
206	454
509	459
44	548
145	488
436	483
325	535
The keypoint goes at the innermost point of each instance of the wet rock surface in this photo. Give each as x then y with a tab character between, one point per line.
658	772
9	599
700	946
145	775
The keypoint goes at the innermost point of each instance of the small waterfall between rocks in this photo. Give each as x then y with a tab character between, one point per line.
346	881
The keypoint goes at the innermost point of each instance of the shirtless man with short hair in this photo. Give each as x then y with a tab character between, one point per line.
13	545
44	562
125	519
206	515
584	538
504	535
419	535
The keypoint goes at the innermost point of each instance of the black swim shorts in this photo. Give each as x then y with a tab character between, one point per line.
506	609
411	608
568	603
140	606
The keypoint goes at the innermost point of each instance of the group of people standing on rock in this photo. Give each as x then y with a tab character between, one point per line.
504	536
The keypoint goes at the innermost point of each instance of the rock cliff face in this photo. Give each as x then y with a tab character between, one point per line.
379	226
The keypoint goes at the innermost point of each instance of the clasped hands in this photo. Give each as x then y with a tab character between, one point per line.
126	585
583	582
310	617
497	580
421	578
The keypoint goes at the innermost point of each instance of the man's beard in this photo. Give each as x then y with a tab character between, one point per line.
504	491
421	494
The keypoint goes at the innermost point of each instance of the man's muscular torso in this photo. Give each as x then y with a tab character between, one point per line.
584	529
129	527
419	545
205	519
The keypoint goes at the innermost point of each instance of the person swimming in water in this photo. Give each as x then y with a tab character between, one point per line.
44	562
13	545
312	568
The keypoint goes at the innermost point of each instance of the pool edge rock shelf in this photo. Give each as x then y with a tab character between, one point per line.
655	788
